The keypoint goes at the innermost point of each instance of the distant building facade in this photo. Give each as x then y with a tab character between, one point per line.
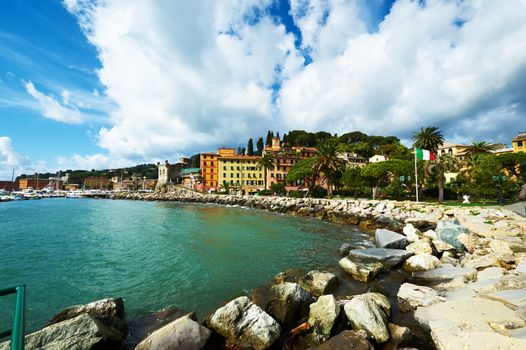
191	178
377	158
96	182
9	185
519	143
38	184
285	156
240	173
170	173
209	163
352	160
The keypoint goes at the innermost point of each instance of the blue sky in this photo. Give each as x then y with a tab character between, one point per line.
124	88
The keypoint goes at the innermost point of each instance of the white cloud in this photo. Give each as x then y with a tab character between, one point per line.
87	162
52	109
421	68
11	160
189	76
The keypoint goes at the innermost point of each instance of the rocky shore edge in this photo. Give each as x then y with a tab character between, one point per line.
464	286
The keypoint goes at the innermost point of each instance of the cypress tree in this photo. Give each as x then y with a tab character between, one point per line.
268	141
250	147
260	146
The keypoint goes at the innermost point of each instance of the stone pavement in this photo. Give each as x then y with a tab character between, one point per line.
519	208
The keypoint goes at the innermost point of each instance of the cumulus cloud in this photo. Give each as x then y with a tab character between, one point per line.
86	162
11	159
52	109
191	75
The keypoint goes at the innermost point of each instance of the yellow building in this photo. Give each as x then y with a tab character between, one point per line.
240	173
519	143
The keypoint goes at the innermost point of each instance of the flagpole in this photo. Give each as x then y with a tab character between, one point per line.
416	176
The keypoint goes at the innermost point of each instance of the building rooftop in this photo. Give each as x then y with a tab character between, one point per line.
520	136
190	170
240	157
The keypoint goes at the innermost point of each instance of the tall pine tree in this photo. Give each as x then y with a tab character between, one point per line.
260	146
250	147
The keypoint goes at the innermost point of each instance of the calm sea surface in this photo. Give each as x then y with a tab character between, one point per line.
154	255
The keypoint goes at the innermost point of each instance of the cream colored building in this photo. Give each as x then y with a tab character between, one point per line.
519	143
377	158
240	173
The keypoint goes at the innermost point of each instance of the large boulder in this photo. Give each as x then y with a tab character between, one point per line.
387	257
360	269
109	311
289	303
421	262
83	332
322	316
389	239
319	282
410	296
447	277
474	323
369	312
420	247
244	324
184	334
355	340
449	232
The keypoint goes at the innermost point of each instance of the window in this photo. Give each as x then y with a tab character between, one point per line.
231	168
260	175
231	174
519	143
224	167
237	175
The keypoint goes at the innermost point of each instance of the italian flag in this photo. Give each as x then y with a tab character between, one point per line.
424	154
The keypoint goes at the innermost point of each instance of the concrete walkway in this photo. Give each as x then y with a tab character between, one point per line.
517	207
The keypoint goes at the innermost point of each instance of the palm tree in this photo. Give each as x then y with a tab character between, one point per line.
266	162
430	138
444	163
327	162
479	148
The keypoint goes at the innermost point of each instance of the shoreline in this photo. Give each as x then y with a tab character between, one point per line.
434	270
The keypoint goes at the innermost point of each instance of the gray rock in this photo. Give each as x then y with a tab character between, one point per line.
387	257
184	334
512	298
355	340
82	332
108	311
359	269
319	282
389	239
448	231
289	303
245	324
446	277
410	296
345	249
369	312
322	316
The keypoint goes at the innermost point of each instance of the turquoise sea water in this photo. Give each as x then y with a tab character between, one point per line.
153	254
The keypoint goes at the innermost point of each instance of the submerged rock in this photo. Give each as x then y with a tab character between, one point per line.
449	232
369	312
184	334
389	239
289	303
319	282
81	332
422	262
244	324
345	249
387	257
322	316
355	339
360	270
410	296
